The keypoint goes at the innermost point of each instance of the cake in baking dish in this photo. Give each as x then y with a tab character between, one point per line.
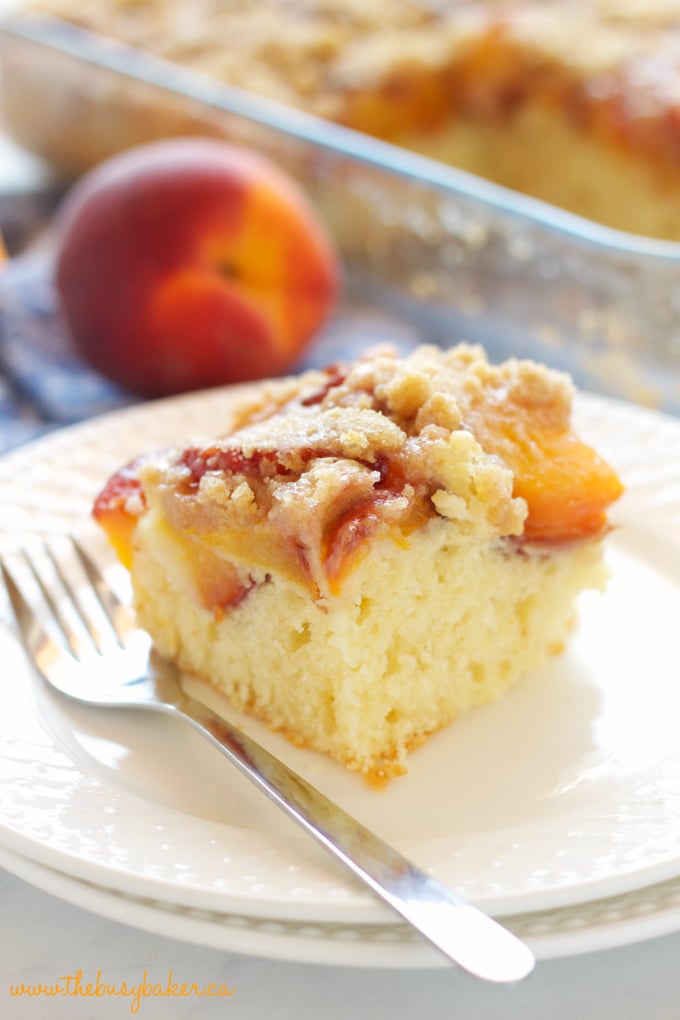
573	101
370	550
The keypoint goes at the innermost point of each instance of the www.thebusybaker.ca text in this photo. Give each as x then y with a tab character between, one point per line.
74	986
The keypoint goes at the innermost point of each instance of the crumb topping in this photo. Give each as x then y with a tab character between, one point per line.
316	465
320	54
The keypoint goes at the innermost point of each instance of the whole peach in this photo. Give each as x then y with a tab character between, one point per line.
190	263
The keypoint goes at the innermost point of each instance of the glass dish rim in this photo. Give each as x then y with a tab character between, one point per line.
110	55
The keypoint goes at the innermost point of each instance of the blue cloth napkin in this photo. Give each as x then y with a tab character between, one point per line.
44	384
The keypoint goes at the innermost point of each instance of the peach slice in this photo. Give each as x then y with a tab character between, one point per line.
113	510
567	486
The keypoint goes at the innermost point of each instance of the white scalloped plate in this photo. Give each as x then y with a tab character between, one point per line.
565	792
571	931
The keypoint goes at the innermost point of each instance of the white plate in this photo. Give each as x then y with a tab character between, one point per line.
571	931
566	791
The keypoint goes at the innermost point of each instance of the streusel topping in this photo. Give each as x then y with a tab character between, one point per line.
315	470
386	445
312	53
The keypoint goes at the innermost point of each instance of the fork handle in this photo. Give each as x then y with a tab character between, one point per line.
464	934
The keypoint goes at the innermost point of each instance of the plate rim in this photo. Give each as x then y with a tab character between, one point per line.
614	922
360	907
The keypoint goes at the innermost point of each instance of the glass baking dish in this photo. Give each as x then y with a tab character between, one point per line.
455	256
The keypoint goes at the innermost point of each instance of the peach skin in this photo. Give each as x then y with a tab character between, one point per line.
191	263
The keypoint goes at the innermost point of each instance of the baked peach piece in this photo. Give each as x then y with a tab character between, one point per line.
372	549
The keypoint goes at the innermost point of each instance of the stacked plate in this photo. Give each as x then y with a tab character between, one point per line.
557	810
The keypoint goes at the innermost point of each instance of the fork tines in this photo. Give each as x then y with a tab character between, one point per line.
59	584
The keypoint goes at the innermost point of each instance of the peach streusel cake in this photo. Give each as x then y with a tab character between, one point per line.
575	102
372	549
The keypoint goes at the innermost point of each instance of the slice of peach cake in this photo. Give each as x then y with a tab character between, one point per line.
371	549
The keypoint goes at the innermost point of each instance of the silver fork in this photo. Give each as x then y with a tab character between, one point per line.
90	649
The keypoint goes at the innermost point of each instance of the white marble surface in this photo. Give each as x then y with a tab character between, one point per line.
44	938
